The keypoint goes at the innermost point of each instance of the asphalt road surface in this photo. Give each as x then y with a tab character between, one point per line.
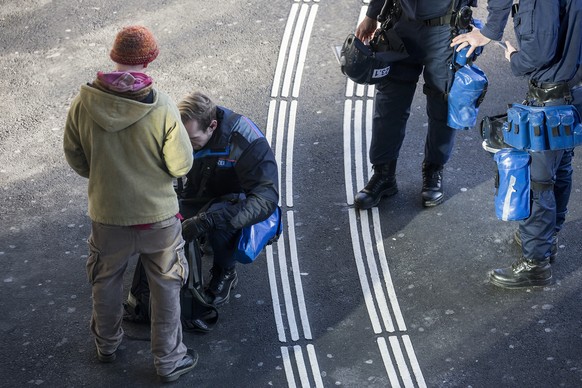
396	296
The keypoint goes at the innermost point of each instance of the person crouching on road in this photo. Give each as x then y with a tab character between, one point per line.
233	183
127	137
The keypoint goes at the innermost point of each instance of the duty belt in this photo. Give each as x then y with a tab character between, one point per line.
440	21
546	91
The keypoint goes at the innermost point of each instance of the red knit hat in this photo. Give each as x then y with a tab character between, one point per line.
134	45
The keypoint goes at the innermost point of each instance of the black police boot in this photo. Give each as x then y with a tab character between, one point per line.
432	184
222	281
553	251
382	184
523	273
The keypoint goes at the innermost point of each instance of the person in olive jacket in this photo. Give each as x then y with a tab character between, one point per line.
127	138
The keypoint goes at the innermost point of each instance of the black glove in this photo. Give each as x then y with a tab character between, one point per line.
196	226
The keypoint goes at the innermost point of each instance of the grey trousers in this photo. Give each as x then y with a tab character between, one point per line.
161	248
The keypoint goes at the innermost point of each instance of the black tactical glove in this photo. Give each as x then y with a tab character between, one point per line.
196	226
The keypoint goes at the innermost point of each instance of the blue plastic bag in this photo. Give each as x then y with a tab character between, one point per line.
254	238
468	90
512	199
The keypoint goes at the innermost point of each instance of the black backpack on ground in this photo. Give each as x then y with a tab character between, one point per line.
197	314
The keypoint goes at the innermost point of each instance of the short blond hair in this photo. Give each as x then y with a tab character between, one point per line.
197	106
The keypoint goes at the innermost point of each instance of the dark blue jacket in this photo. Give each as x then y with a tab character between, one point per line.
414	9
237	160
549	37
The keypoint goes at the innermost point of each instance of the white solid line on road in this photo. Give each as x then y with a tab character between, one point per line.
373	271
275	292
314	366
401	362
288	367
369	121
350	88
413	361
283	271
297	277
301	369
303	51
388	364
270	122
368	299
289	154
348	151
283	50
279	141
358	157
386	271
292	55
303	366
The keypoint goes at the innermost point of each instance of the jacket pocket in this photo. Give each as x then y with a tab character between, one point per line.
523	20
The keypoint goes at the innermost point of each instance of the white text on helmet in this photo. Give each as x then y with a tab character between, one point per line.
379	73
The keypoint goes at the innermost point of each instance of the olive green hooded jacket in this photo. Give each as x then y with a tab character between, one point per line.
130	151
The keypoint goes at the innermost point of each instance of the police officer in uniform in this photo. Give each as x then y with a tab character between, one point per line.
426	30
550	49
233	183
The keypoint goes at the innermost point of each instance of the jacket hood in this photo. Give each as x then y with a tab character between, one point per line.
113	113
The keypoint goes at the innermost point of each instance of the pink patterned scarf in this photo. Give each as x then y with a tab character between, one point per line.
132	85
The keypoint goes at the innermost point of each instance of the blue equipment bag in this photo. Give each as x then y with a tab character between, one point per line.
517	133
512	199
254	238
543	128
468	90
537	131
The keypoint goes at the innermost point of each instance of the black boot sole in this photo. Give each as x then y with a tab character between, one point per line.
520	285
429	203
384	194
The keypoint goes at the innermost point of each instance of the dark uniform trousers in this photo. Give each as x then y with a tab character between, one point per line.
430	56
549	206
